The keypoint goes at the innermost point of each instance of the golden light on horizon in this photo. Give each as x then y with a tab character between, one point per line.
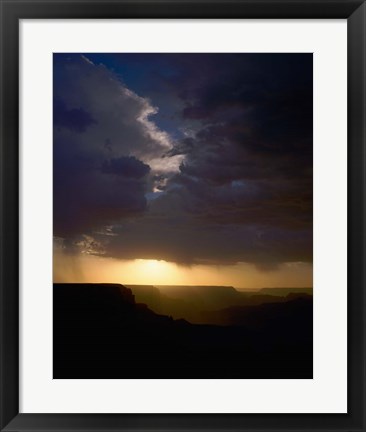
89	268
159	271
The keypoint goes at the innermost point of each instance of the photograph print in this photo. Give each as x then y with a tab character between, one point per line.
183	216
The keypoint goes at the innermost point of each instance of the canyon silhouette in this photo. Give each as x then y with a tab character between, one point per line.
182	215
101	331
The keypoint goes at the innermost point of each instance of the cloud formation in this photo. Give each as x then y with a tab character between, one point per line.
220	173
104	143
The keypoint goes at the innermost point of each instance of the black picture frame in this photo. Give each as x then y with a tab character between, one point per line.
14	10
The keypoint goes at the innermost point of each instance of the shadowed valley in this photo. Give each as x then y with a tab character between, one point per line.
143	331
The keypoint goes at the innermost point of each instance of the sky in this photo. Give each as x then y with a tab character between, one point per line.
183	169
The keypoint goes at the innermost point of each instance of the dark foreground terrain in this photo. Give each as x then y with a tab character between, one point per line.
101	332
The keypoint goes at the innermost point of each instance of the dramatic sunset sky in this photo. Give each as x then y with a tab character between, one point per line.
183	169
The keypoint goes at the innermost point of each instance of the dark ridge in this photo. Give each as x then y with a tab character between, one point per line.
286	291
100	331
193	302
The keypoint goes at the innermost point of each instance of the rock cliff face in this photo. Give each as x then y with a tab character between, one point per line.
87	295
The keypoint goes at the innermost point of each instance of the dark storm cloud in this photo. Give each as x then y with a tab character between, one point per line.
243	135
248	163
75	119
103	145
250	156
126	167
88	198
176	235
